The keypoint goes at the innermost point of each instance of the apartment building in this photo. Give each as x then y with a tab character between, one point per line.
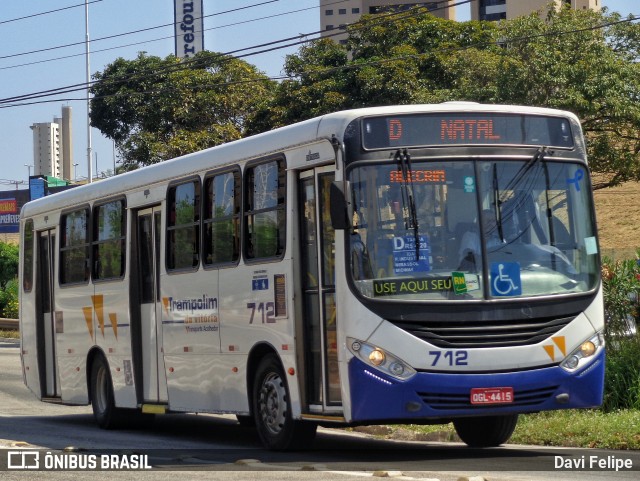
335	15
493	10
52	147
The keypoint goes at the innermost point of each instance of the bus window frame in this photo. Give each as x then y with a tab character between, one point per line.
197	223
87	245
28	249
281	161
206	221
95	242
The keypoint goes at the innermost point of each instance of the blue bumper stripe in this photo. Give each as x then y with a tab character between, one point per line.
376	396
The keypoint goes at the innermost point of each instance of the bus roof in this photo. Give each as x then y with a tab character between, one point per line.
260	145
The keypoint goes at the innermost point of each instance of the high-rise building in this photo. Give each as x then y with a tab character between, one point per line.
46	149
508	9
52	147
336	15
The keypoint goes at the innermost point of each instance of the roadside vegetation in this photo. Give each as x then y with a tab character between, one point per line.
8	280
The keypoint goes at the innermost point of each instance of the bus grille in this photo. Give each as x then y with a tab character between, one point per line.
469	334
531	397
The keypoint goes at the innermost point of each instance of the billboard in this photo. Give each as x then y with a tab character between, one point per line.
189	27
11	201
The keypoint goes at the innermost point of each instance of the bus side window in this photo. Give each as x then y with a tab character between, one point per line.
265	215
183	226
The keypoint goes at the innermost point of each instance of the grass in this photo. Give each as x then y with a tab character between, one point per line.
580	428
9	334
587	428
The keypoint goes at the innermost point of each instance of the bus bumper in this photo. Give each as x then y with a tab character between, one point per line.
430	395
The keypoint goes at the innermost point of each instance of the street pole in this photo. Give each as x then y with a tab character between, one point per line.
86	26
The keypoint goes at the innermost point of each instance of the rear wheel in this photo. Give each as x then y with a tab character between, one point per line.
107	415
272	410
486	432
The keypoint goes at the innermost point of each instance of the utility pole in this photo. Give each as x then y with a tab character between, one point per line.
86	26
28	166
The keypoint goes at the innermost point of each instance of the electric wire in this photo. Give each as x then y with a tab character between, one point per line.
83	86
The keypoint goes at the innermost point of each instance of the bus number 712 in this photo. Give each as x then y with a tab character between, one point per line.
451	358
267	311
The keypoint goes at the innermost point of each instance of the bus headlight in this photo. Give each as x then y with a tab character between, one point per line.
583	353
380	359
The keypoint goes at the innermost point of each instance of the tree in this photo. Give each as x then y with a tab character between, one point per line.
155	109
585	62
581	61
9	259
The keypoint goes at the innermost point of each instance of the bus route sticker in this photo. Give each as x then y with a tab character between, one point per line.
404	255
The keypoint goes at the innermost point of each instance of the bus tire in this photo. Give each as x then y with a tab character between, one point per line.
272	410
487	431
246	420
106	414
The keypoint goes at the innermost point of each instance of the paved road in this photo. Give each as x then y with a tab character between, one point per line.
217	447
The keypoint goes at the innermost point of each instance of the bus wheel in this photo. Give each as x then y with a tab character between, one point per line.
272	410
486	432
246	420
102	402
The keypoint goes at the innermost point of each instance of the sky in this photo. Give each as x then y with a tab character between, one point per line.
43	48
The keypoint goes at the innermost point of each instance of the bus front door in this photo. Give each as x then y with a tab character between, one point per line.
46	316
151	381
318	324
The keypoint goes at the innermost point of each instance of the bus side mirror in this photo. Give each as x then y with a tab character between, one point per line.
338	207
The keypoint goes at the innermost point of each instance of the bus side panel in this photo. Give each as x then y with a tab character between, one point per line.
250	316
76	330
28	345
113	335
191	341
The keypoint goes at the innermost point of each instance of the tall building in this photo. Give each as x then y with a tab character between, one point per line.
337	15
52	147
508	9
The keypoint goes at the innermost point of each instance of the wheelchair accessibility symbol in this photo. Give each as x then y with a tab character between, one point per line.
505	279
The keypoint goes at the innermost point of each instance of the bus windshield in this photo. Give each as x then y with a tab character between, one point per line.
463	229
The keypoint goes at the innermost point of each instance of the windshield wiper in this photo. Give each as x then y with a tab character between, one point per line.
409	212
497	202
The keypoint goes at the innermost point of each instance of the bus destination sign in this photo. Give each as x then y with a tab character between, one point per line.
465	128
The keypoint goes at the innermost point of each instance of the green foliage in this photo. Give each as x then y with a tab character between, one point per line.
621	284
9	258
578	60
588	70
9	300
584	428
156	109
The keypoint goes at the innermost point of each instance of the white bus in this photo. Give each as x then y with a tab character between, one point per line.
406	264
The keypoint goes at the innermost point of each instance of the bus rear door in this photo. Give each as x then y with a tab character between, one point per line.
151	381
45	312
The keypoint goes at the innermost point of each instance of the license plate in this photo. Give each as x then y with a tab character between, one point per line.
491	395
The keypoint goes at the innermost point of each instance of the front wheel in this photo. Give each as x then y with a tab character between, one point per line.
486	432
272	410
